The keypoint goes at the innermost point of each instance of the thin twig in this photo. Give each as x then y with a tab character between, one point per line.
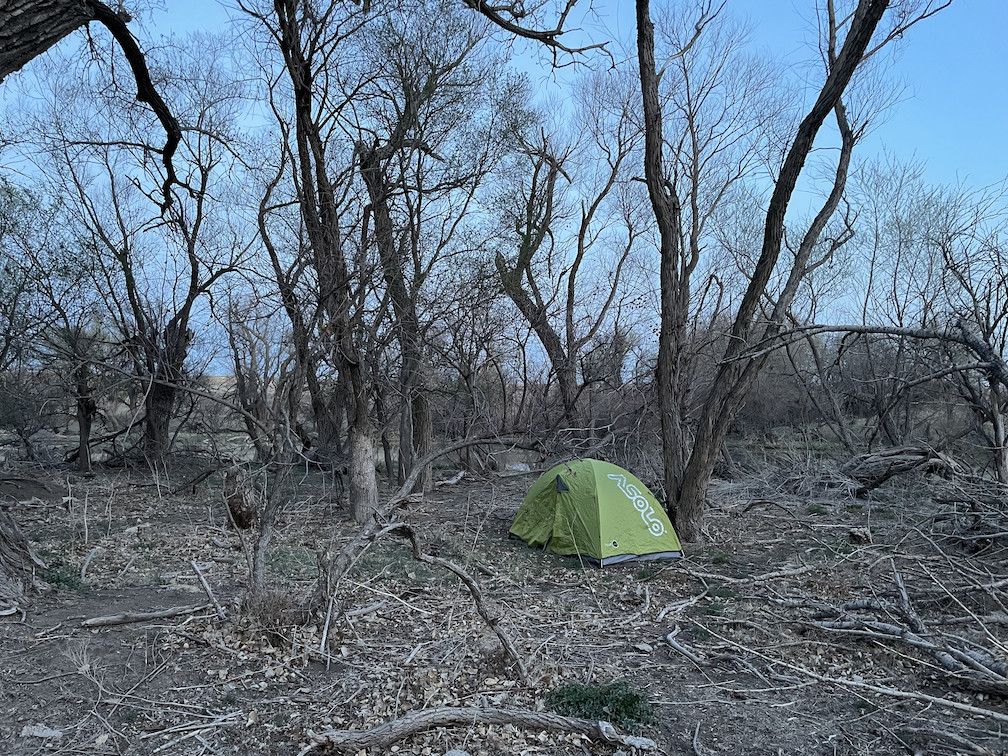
206	587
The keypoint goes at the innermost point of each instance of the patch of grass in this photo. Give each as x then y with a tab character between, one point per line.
293	562
62	577
855	507
714	610
723	592
720	557
396	559
817	509
647	571
616	702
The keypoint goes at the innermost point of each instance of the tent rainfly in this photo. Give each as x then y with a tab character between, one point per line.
598	511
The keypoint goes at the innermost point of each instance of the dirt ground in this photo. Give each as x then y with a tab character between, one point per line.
807	622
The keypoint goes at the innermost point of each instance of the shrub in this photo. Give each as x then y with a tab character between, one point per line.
616	702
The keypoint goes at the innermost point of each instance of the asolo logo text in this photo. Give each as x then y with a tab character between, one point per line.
647	513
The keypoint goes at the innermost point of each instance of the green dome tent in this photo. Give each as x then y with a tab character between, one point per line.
597	510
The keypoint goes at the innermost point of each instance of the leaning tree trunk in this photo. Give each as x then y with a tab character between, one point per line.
18	564
30	27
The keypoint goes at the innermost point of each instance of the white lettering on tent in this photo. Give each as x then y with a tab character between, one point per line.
647	513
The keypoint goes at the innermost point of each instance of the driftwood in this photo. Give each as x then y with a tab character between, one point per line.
872	469
127	617
384	735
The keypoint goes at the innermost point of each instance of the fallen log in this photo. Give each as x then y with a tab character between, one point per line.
384	735
127	617
872	469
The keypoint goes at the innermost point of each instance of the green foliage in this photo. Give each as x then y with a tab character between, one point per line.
616	702
61	576
293	562
817	509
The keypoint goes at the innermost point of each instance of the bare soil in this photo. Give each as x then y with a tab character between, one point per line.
780	616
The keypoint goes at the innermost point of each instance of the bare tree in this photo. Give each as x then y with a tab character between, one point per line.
154	265
30	27
306	97
848	40
576	220
438	112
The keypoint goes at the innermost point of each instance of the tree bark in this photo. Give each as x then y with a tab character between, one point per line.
30	27
674	288
363	488
86	408
159	406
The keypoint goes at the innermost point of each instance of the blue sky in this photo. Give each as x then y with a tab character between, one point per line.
954	107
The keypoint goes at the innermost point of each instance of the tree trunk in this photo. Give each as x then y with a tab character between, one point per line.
736	374
86	409
423	438
674	286
159	406
363	482
404	306
999	431
30	27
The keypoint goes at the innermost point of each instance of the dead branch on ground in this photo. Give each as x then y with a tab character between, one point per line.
128	617
384	735
492	620
872	469
972	666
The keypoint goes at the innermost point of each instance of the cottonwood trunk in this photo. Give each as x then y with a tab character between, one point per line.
30	27
737	373
86	409
415	424
159	406
674	286
363	482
